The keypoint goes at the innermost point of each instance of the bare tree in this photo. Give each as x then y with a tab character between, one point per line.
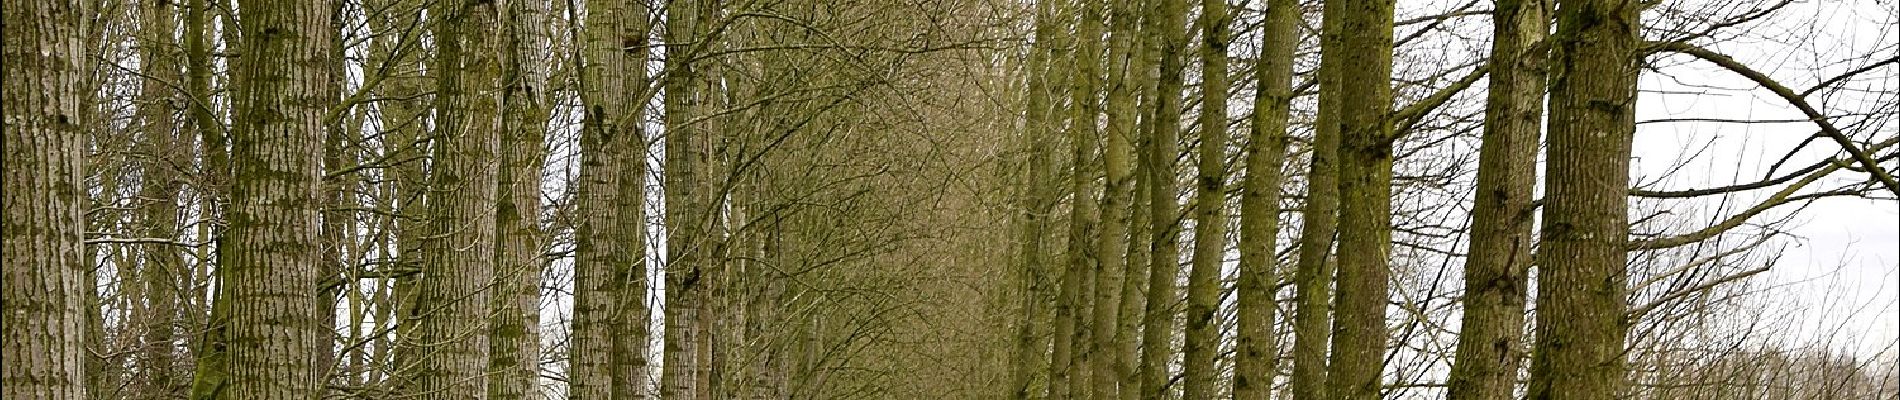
45	306
1582	262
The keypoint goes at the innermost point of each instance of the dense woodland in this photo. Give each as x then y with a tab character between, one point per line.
922	199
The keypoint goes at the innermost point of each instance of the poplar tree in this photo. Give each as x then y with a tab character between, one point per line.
458	260
1118	194
1496	273
1355	368
610	239
44	301
1038	129
1256	351
515	337
1200	350
268	268
1166	31
1582	260
1319	221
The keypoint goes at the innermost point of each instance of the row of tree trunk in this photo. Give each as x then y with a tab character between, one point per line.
1344	246
469	253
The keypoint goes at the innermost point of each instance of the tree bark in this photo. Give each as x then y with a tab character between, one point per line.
270	267
45	292
1491	330
1319	219
1032	223
1079	283
1583	262
515	340
1167	31
458	260
1202	345
608	348
1118	194
689	213
1256	352
1365	197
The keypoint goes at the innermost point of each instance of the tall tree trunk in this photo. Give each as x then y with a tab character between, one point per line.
1068	281
1166	32
1496	271
1032	220
1256	351
397	51
515	340
609	342
1085	213
1580	316
598	248
1134	78
630	310
1365	196
44	268
166	156
1202	345
1118	195
458	260
1319	219
270	265
689	213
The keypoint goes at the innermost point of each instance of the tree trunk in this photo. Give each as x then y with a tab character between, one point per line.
630	310
1319	218
45	269
515	340
458	260
1257	352
1032	223
1079	283
1202	345
607	351
270	266
1166	32
397	50
1135	78
688	212
1581	306
1111	243
1496	271
167	155
1365	197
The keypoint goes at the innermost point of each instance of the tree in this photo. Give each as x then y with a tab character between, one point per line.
1210	207
1039	120
1111	246
1079	282
1496	273
1166	30
610	304
1582	296
271	261
1256	350
690	212
515	340
402	116
1319	221
44	290
162	275
458	260
1365	196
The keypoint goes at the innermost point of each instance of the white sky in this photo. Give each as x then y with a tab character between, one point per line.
1842	255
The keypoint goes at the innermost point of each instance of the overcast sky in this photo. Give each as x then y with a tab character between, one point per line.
1840	257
